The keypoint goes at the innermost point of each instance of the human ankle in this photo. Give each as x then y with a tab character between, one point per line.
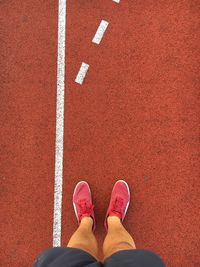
113	220
87	221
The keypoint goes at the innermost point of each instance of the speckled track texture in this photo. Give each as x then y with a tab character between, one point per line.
136	117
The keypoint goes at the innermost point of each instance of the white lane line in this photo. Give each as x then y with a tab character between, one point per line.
116	1
100	32
59	125
82	73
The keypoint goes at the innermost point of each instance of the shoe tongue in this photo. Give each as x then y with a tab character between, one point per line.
86	209
115	213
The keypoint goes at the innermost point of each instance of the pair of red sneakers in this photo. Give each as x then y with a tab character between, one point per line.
83	205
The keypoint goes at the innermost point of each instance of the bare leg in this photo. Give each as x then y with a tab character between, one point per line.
84	238
117	237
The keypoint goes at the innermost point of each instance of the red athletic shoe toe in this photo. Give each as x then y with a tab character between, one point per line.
119	202
82	202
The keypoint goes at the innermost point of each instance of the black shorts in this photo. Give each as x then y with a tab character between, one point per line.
72	257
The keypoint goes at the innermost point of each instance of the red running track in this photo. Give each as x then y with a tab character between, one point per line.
135	117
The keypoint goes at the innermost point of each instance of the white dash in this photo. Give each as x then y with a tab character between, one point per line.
82	73
116	1
100	32
59	125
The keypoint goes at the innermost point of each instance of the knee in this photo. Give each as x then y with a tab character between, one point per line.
117	247
124	245
92	250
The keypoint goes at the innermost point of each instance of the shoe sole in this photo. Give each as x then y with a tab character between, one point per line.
74	205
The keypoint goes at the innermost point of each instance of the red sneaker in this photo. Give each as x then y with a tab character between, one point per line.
119	202
82	202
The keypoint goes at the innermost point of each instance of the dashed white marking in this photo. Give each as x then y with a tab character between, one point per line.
82	73
116	1
59	125
100	32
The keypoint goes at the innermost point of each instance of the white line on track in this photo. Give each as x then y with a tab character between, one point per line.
100	32
116	1
82	73
59	125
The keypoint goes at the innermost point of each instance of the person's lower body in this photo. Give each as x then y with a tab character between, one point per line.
119	248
